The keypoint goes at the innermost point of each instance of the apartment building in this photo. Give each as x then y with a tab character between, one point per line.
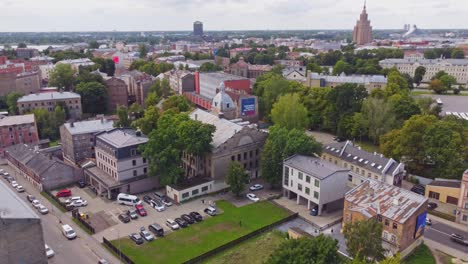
48	101
20	129
317	183
371	82
462	209
117	93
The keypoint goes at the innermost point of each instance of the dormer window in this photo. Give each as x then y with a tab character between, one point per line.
227	105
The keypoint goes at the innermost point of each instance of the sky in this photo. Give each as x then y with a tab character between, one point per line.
160	15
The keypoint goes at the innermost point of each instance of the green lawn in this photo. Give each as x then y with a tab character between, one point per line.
421	255
254	251
197	239
52	201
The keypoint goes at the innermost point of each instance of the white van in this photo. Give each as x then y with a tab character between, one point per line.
128	199
68	232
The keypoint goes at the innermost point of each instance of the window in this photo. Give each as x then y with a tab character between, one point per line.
300	176
434	195
256	152
245	155
466	205
393	238
299	187
308	179
195	192
465	218
385	235
352	168
233	158
307	190
144	160
251	154
317	183
395	225
185	195
379	218
133	152
145	170
204	188
387	223
369	175
350	178
316	195
134	173
238	157
286	176
134	162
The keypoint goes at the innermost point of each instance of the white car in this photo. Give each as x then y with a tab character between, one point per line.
253	197
158	206
14	184
79	203
35	203
256	187
42	209
172	224
72	199
49	252
19	188
68	232
166	202
146	235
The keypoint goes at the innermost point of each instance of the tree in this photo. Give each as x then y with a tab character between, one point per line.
316	250
62	77
151	100
379	116
288	112
149	121
236	177
448	81
177	103
93	44
93	97
342	67
313	67
85	76
122	113
419	74
430	54
143	51
364	239
135	111
59	116
404	106
437	86
438	75
105	65
209	67
458	54
11	101
22	45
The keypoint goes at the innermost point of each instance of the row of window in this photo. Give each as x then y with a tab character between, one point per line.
239	156
185	195
307	178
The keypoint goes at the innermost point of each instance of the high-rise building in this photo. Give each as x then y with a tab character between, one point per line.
363	31
198	29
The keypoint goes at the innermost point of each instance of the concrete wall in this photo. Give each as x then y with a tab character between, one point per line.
177	195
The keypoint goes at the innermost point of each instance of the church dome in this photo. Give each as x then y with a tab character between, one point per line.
222	101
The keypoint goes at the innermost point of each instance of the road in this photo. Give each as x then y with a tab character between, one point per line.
440	233
82	250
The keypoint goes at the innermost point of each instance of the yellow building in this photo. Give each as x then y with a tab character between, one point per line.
444	190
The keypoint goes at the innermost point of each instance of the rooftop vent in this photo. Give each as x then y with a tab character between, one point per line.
349	155
327	147
373	164
396	201
361	159
355	158
365	162
379	167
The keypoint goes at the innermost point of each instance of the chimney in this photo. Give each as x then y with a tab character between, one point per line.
196	117
72	124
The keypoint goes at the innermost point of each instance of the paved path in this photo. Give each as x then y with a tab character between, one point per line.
438	236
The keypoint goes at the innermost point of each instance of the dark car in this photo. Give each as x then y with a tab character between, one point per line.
314	211
124	218
81	184
198	217
136	238
431	206
188	218
147	199
132	213
156	229
181	222
457	238
419	189
10	179
30	198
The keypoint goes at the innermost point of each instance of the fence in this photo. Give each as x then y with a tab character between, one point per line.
56	199
239	240
77	216
119	253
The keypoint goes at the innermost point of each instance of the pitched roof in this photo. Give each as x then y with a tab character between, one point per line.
48	96
456	62
446	183
359	79
122	137
372	198
313	166
17	120
90	126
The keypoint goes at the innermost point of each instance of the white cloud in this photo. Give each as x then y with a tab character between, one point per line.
140	15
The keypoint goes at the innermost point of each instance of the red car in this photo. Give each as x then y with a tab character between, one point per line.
64	193
140	210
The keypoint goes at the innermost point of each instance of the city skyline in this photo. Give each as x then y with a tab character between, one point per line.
218	15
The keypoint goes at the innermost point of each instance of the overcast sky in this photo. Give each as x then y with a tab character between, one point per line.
146	15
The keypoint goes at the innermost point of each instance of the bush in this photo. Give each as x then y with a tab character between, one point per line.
456	91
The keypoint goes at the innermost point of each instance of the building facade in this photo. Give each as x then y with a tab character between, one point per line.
402	213
49	101
21	129
117	93
198	29
462	209
77	138
362	33
371	82
247	70
317	183
444	190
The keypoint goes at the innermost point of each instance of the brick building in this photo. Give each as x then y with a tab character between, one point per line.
402	213
117	93
48	101
247	70
20	129
138	84
362	33
26	53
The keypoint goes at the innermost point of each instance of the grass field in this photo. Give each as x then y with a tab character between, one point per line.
199	238
254	251
421	255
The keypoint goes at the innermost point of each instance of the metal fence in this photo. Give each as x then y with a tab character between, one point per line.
53	197
77	216
119	253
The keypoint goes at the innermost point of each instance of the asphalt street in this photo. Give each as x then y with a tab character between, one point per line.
82	250
440	233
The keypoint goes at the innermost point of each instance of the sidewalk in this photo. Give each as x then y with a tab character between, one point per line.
449	223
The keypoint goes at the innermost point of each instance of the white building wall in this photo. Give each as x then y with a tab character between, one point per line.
125	168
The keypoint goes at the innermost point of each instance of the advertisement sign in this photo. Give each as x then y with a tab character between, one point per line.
420	225
248	106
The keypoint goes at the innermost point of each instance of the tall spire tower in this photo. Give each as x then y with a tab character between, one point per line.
362	33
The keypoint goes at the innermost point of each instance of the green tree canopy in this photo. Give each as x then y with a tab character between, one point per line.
364	239
236	178
93	97
62	76
149	121
11	101
419	74
289	112
177	103
122	113
437	86
209	67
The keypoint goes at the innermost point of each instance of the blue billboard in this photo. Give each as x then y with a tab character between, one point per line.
420	225
248	106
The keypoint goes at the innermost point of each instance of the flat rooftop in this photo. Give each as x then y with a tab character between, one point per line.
17	120
122	137
91	126
313	166
48	96
12	206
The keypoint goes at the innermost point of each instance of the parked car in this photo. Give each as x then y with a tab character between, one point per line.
256	187
147	199
419	189
103	261
81	184
14	184
64	193
132	213
457	238
181	222
159	195
10	179
431	206
198	217
172	224
314	211
166	202
136	238
146	234
158	206
79	203
188	218
428	221
35	203
68	232
69	207
210	210
140	210
72	199
253	197
42	209
30	198
156	229
19	189
124	218
49	252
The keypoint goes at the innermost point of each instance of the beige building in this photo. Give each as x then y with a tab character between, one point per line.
371	82
462	209
25	83
458	68
444	190
49	100
362	33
